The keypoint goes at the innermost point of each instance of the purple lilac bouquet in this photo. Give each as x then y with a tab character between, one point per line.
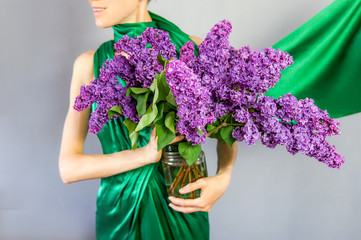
137	67
219	92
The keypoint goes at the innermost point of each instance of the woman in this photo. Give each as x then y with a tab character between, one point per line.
132	199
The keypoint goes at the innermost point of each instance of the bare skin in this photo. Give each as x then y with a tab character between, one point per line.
75	166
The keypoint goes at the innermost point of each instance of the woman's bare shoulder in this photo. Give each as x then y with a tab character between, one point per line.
83	67
197	40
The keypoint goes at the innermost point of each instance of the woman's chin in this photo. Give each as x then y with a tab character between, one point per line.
102	24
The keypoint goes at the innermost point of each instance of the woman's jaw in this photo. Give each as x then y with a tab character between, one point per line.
108	13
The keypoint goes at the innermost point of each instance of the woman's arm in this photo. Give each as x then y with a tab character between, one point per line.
226	159
76	166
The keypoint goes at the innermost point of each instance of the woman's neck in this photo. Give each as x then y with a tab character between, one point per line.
141	14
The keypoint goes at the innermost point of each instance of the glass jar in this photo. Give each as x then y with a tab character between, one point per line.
178	173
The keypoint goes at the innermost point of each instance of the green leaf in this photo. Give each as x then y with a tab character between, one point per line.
161	110
189	152
159	87
141	102
162	88
161	59
199	131
147	117
153	87
114	111
128	92
138	90
226	135
210	127
169	121
167	107
217	122
216	135
134	139
165	136
130	125
171	100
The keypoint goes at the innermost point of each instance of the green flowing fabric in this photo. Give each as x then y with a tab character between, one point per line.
134	204
327	59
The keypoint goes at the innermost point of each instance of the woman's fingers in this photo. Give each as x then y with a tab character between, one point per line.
185	209
153	131
153	134
180	202
190	187
177	139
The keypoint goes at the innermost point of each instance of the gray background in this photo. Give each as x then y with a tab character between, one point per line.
273	195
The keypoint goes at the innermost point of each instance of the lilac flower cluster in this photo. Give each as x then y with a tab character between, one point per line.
136	64
212	63
106	92
193	101
234	77
257	71
237	80
249	74
214	53
297	124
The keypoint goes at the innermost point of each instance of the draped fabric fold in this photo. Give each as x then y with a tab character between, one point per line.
134	204
327	59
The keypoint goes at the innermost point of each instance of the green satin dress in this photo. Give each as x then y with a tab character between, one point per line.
134	204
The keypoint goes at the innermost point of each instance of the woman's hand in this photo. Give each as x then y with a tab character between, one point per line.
212	188
150	151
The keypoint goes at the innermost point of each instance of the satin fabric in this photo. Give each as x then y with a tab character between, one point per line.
327	59
134	204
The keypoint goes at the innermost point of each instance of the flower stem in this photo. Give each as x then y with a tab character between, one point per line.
176	180
224	124
190	180
235	124
200	174
195	173
184	179
229	114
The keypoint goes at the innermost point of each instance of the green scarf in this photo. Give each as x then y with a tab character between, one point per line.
327	59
